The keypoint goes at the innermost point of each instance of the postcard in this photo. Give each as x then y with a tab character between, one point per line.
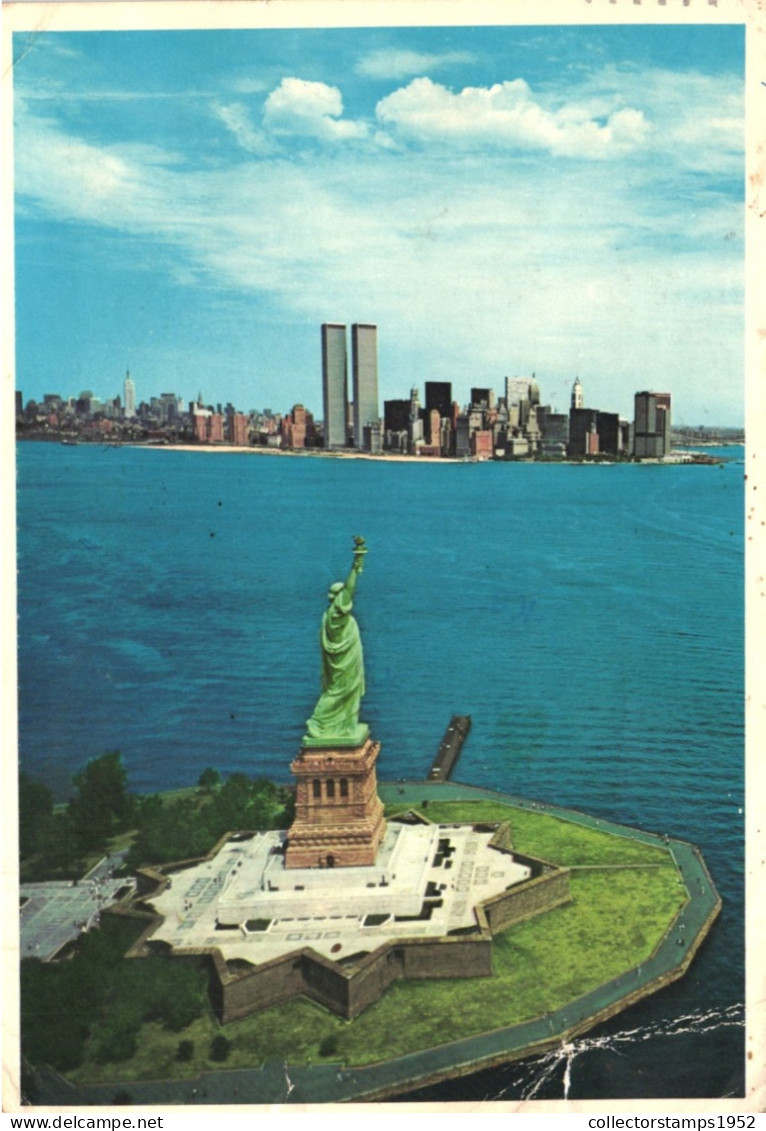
385	519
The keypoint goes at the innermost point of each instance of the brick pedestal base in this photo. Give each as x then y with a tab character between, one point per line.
338	814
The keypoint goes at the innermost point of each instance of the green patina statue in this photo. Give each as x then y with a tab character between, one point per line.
335	721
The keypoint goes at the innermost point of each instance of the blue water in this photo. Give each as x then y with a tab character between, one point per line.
588	618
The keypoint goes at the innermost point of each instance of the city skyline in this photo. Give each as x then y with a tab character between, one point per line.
565	200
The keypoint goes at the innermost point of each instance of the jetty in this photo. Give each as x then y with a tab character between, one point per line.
451	745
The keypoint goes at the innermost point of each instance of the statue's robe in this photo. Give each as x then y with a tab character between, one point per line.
336	715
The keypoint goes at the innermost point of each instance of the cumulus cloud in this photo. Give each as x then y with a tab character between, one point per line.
487	261
393	63
506	115
312	109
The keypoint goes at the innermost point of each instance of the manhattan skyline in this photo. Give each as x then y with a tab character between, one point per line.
498	201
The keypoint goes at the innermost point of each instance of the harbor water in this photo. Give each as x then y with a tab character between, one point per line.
589	619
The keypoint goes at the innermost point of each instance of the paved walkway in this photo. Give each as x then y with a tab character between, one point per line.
57	912
276	1083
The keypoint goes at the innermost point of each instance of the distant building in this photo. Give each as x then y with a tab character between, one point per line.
577	394
415	425
481	443
555	432
364	360
609	433
583	423
520	389
439	397
651	430
129	396
200	425
372	437
482	398
334	385
396	415
237	429
294	428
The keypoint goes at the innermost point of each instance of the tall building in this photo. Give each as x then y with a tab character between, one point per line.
517	389
416	419
577	394
334	384
583	426
129	390
482	398
651	433
439	397
609	433
364	361
396	415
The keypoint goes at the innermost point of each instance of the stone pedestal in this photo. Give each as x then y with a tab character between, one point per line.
338	814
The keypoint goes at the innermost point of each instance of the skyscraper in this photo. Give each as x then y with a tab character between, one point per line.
129	389
577	394
439	397
364	360
334	384
652	425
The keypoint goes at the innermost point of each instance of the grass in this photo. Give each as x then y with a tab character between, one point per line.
615	920
548	837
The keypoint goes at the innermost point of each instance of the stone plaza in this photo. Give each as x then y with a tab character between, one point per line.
426	882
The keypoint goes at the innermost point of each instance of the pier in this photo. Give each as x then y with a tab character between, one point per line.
451	745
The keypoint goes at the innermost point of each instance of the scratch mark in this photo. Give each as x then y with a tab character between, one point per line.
537	1073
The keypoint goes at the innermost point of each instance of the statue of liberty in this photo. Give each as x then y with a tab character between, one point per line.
335	721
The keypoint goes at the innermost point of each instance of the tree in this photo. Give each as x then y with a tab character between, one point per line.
59	845
220	1047
35	811
102	805
208	779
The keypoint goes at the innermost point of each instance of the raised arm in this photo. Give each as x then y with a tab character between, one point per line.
356	566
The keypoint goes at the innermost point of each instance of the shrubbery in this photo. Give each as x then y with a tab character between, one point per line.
101	993
54	843
179	828
220	1047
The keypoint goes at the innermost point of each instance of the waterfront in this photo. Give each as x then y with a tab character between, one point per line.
591	624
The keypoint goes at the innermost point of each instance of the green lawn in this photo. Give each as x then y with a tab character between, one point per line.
547	837
615	920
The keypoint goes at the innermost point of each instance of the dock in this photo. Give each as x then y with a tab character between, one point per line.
451	745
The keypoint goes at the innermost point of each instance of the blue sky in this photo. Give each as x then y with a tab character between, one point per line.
498	200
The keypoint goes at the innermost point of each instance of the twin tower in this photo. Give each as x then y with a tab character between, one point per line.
364	361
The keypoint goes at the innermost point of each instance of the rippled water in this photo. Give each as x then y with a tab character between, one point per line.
589	619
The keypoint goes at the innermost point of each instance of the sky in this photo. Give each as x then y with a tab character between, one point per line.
500	201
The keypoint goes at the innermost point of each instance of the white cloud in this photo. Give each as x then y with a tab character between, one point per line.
506	115
697	119
473	267
237	119
313	109
249	86
394	63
